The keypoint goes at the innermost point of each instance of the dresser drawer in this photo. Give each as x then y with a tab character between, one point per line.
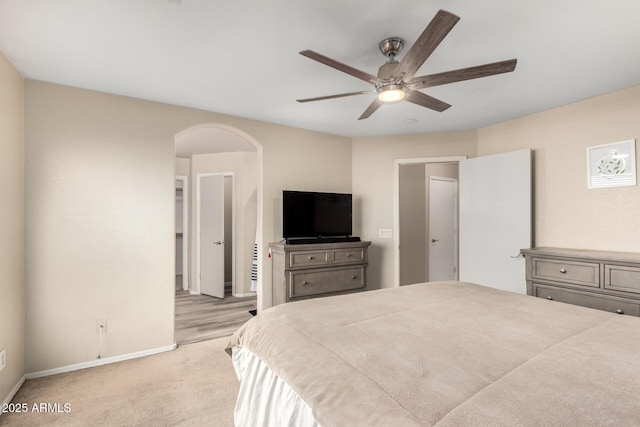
312	282
622	278
578	273
355	255
585	299
308	258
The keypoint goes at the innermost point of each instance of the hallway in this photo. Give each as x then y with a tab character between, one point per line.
201	317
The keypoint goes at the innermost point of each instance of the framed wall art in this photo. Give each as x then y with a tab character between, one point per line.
612	165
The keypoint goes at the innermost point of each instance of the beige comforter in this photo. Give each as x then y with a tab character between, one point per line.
452	354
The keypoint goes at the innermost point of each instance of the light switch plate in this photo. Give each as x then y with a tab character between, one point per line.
385	233
3	358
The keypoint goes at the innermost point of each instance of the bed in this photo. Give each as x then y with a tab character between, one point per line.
442	353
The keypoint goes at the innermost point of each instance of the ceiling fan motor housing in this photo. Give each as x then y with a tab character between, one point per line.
391	46
386	70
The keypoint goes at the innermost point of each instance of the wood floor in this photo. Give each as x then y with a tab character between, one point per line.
201	317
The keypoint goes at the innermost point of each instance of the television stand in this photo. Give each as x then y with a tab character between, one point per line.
317	270
313	240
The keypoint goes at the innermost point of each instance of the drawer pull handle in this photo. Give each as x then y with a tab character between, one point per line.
305	283
619	311
562	270
550	299
354	277
310	257
348	255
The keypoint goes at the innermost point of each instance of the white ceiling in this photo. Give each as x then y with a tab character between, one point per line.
241	57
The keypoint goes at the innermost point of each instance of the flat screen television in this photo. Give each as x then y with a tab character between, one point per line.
307	214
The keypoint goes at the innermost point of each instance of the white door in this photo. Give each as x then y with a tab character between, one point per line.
443	194
495	219
212	235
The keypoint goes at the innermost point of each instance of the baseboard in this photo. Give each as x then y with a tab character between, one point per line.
13	392
99	362
249	294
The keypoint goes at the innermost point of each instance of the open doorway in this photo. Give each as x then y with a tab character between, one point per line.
427	220
494	217
230	158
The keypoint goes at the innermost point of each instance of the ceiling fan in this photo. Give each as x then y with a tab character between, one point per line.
395	80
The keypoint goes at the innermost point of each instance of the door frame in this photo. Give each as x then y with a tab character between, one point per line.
456	227
396	203
199	177
185	230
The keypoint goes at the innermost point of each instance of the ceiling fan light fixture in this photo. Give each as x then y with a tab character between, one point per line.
396	80
391	93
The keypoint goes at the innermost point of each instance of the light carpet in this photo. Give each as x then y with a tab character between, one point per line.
194	385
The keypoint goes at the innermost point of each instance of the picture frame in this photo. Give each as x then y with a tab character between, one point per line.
612	165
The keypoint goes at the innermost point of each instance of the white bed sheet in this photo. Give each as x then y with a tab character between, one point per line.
264	399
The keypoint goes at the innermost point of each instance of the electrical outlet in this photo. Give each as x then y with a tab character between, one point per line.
101	326
3	358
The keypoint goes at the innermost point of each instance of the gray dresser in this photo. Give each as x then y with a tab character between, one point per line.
315	270
602	280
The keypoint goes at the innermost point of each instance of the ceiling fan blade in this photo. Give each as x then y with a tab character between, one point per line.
428	41
320	98
425	100
371	109
463	74
340	66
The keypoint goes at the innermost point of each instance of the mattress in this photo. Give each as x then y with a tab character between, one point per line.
443	353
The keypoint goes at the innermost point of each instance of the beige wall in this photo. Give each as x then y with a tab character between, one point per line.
183	167
567	214
12	298
413	226
100	201
243	165
373	168
100	214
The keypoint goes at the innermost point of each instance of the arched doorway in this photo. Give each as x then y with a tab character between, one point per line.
202	152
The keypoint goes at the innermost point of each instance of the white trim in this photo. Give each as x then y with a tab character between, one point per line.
13	392
396	203
233	233
100	362
185	230
245	295
233	226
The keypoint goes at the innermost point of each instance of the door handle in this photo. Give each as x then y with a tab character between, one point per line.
219	242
